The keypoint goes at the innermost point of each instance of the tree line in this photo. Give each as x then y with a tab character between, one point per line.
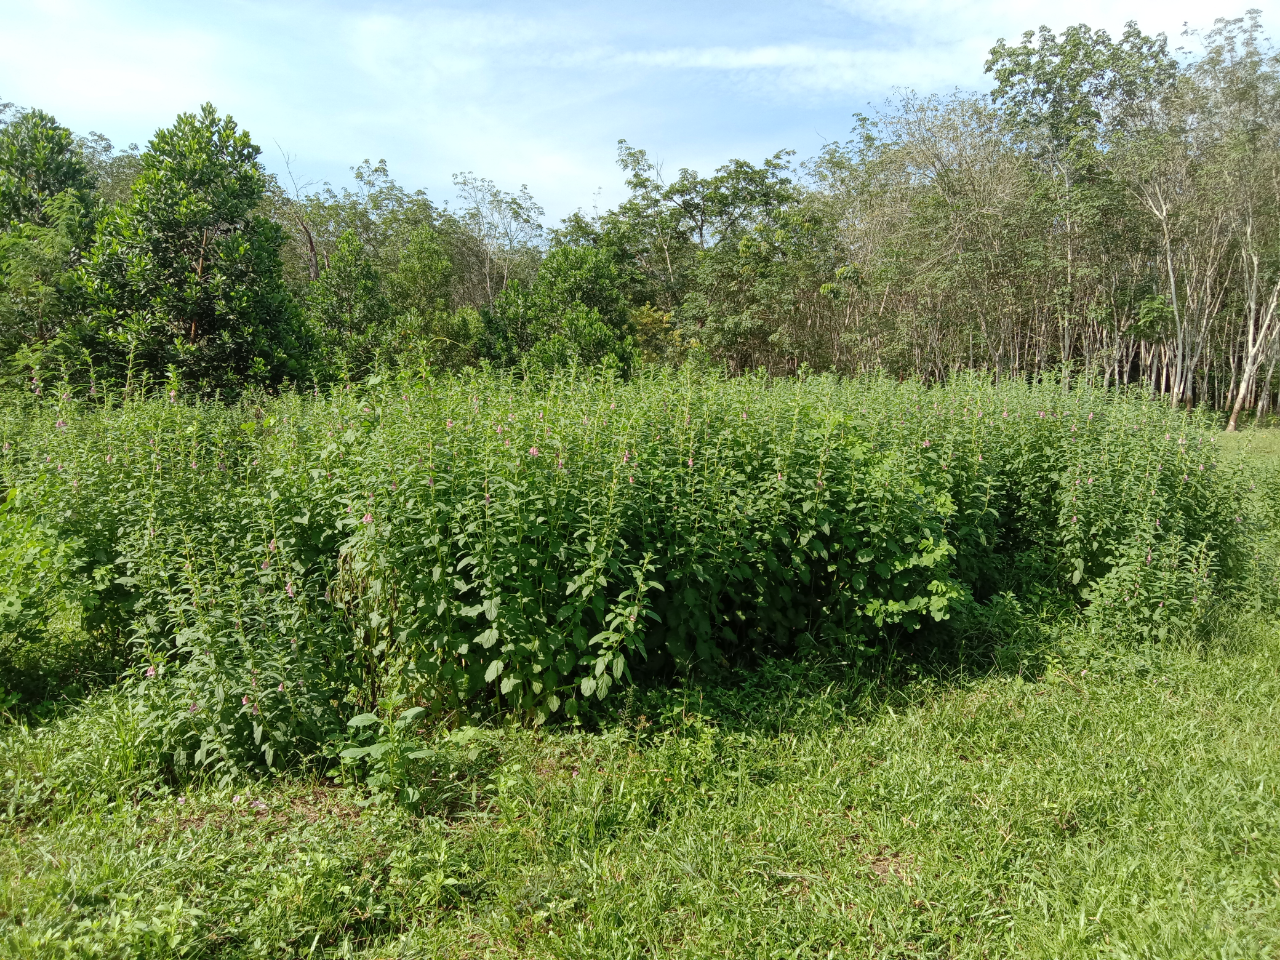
1110	206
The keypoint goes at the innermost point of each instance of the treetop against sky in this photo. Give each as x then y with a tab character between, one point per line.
533	92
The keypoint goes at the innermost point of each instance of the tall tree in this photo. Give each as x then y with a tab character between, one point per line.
39	159
186	274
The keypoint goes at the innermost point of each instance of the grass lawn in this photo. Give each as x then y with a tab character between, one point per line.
1103	803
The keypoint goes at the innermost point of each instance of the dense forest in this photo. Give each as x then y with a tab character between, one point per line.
1110	206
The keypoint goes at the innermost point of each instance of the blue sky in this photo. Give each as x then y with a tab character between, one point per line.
530	93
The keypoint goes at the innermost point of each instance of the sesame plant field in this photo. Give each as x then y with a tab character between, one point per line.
683	666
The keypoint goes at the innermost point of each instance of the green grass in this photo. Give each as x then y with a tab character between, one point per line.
1129	810
1258	442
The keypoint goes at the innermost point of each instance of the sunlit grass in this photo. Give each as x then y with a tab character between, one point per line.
1119	810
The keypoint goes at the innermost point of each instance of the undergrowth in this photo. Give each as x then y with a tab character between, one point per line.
462	546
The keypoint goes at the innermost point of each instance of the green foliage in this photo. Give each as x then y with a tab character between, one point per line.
1068	90
478	543
424	276
573	313
39	160
38	290
187	274
348	305
1122	807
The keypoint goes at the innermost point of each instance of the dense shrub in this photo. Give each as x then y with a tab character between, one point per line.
288	562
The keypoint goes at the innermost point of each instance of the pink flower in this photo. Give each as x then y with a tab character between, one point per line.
448	424
151	672
691	461
288	588
631	479
244	701
533	451
626	457
367	518
926	443
266	564
281	688
779	474
61	425
193	708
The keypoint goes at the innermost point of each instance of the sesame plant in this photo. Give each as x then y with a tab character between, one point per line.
489	542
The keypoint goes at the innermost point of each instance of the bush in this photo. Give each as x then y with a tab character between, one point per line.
485	542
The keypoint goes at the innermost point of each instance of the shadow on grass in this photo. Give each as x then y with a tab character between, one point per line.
791	693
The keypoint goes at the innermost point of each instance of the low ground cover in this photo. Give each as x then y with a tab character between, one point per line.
1108	806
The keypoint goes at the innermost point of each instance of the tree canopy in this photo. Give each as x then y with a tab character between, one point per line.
1106	206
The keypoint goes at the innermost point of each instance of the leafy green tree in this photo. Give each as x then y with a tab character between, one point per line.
573	312
45	224
37	282
423	279
350	309
759	298
1070	91
39	159
186	274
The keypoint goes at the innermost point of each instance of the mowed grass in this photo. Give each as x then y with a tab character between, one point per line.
1127	810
